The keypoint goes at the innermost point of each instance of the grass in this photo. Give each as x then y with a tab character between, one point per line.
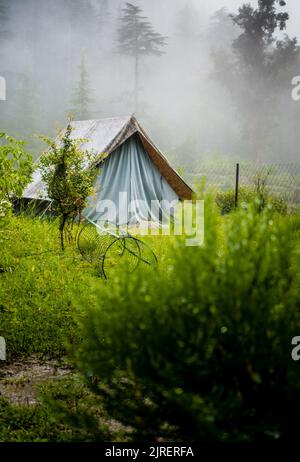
38	422
45	295
39	313
38	288
40	284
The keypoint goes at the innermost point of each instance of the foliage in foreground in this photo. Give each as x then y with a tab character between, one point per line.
76	418
202	350
38	286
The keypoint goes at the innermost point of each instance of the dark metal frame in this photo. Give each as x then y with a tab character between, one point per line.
119	237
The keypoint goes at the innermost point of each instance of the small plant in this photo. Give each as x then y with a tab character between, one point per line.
225	200
69	179
258	195
15	171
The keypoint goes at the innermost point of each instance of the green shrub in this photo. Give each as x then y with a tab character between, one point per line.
226	200
279	204
201	350
68	182
15	169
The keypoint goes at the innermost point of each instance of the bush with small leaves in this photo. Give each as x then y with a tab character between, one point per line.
201	350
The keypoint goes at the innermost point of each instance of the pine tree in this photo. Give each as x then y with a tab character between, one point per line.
82	95
137	38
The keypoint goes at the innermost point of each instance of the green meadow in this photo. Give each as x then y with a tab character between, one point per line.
163	353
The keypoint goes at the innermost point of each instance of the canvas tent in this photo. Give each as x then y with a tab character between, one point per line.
135	175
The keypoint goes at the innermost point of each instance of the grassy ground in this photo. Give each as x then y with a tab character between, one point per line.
38	287
45	294
39	291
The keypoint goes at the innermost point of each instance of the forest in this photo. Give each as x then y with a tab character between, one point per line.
129	334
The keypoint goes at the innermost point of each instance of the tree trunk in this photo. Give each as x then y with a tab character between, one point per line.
136	90
61	231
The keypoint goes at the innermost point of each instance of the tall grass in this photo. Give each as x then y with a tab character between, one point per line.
38	285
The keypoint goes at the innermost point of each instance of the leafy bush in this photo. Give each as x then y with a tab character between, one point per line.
201	349
226	200
15	174
68	181
15	169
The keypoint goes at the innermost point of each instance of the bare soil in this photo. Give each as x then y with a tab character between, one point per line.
19	380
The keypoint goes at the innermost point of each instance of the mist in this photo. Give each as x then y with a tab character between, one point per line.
187	110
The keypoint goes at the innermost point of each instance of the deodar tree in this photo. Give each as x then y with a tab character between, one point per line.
137	38
82	94
68	180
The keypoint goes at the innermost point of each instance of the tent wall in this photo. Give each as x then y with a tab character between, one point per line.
130	171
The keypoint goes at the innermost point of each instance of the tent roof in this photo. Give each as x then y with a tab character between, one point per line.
105	136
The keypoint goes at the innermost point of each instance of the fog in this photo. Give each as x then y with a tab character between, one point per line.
187	110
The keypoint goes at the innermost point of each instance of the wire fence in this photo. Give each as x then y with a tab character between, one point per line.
282	179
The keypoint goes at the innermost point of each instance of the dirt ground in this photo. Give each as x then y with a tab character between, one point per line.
18	380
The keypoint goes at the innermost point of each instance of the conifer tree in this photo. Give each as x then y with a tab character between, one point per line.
82	95
137	38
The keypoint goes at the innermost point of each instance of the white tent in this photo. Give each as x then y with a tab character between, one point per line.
135	176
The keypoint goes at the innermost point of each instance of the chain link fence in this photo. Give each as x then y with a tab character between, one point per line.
282	179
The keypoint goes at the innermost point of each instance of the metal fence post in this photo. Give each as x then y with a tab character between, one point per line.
237	179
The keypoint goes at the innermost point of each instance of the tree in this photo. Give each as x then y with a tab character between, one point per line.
137	38
258	27
222	30
68	181
82	94
253	72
